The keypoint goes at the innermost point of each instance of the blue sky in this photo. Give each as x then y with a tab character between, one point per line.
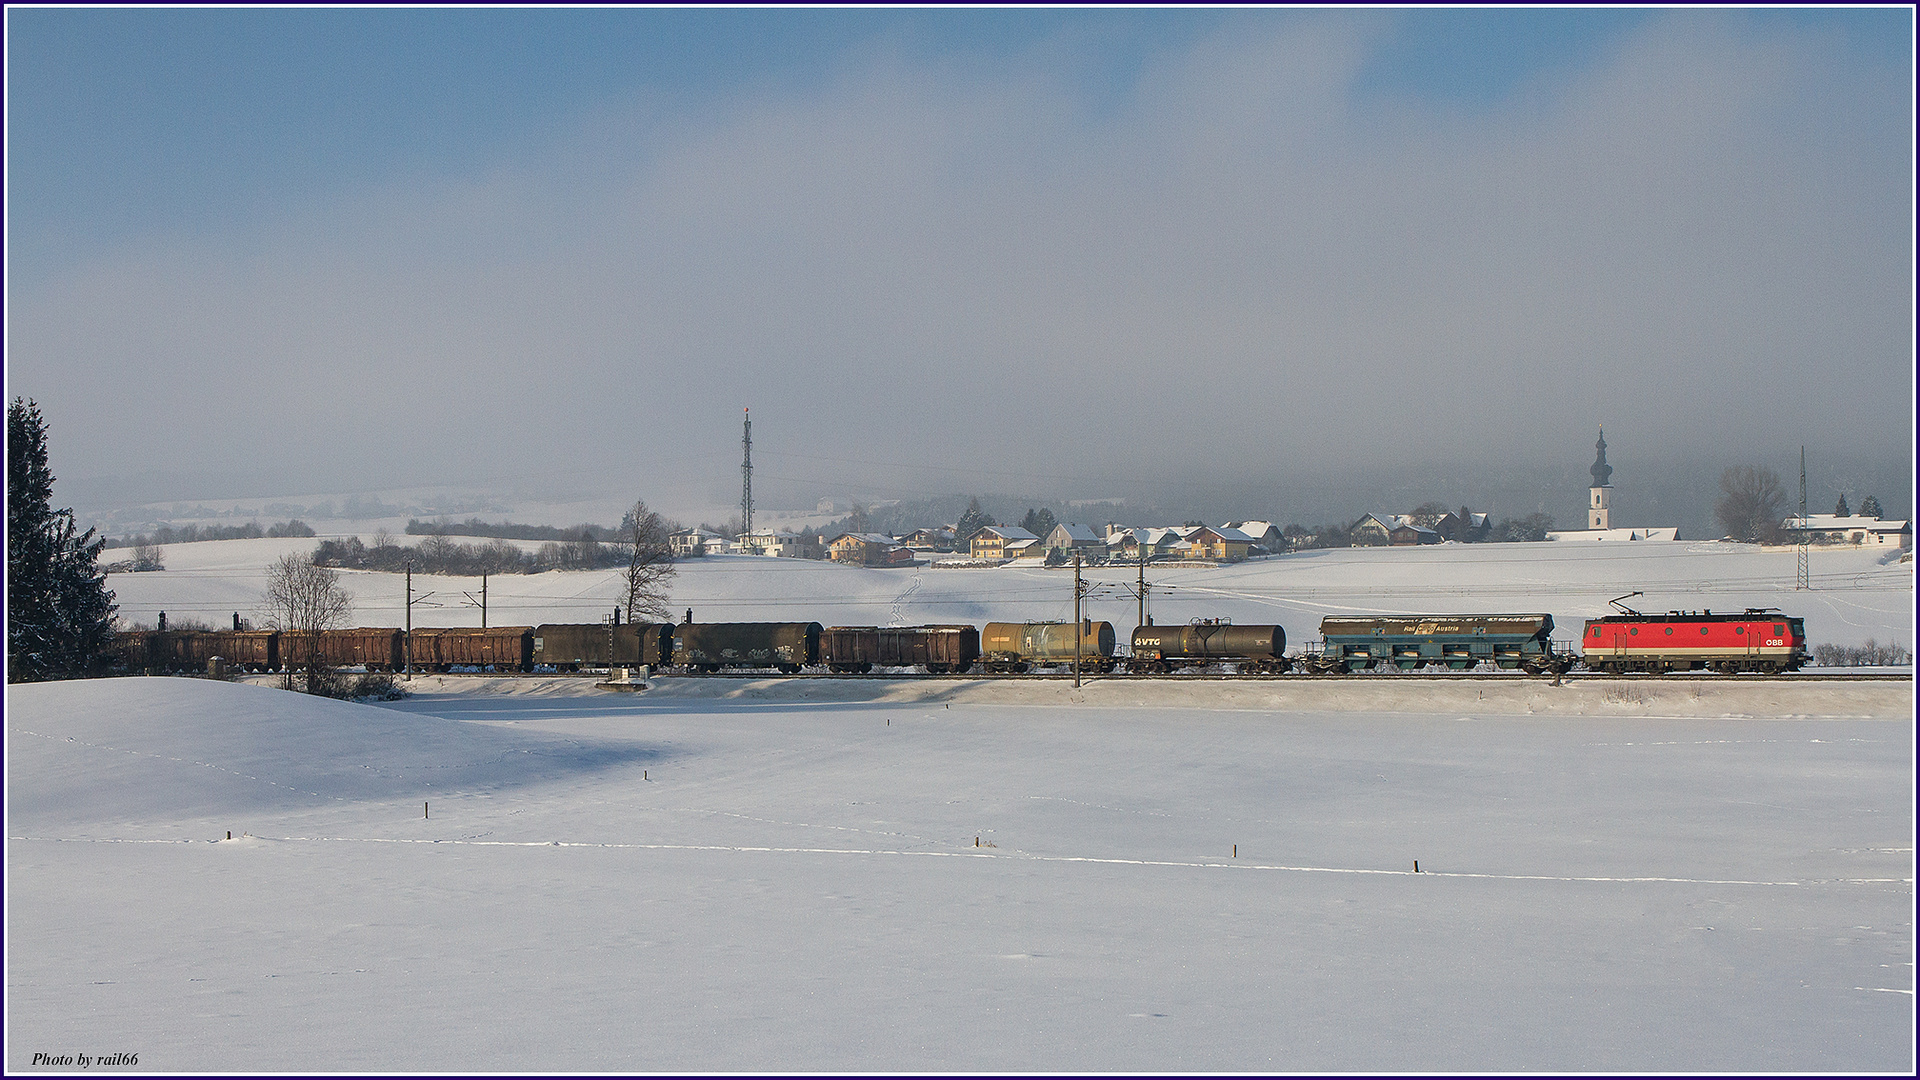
131	121
948	194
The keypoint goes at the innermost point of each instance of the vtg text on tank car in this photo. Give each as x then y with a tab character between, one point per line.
1256	649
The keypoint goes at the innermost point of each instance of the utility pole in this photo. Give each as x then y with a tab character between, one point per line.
746	482
480	603
1141	546
406	640
1076	619
1802	581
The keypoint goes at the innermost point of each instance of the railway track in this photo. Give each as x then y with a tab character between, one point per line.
1440	676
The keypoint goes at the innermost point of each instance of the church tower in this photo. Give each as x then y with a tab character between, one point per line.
1600	505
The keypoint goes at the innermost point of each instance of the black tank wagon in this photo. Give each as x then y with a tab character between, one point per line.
1255	649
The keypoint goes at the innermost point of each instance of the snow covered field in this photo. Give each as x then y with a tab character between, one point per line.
783	876
1858	593
1680	874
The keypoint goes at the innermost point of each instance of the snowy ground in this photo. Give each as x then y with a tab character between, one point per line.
1675	874
783	876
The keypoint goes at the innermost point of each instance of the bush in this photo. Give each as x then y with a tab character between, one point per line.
1867	655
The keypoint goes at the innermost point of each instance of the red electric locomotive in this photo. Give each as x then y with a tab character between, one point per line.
1757	640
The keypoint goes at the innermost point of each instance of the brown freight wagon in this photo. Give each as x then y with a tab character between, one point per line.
131	650
250	650
939	649
502	648
374	648
191	650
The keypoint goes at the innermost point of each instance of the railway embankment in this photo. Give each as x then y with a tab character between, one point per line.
1466	696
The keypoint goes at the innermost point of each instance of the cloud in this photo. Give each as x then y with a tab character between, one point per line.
1240	267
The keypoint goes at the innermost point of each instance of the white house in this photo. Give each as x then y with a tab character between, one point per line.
1856	529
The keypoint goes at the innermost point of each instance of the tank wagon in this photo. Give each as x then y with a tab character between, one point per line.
572	646
1758	640
940	649
712	646
1255	649
1020	647
1456	642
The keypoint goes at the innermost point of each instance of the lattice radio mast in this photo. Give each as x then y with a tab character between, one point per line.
746	482
1802	581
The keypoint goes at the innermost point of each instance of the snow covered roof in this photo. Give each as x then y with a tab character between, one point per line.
1009	532
1074	533
1852	522
868	538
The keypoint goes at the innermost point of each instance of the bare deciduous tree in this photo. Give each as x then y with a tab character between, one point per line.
1753	504
302	600
148	557
649	564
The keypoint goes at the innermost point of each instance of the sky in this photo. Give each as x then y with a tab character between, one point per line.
1084	253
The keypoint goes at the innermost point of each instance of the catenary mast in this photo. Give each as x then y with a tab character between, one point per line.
746	482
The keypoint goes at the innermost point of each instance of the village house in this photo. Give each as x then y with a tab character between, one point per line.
1407	534
1265	536
1857	529
1001	542
1223	543
869	549
1070	537
1125	544
929	539
693	543
786	545
1373	529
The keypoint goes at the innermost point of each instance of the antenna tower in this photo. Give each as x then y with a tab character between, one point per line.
1802	581
746	482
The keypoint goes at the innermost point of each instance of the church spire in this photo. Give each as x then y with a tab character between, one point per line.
1601	470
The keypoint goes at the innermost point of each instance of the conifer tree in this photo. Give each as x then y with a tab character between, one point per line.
971	522
59	610
1840	508
1870	507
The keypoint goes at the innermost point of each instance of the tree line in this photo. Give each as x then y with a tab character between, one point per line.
189	534
509	530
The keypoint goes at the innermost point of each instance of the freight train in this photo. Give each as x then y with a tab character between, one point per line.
1758	640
